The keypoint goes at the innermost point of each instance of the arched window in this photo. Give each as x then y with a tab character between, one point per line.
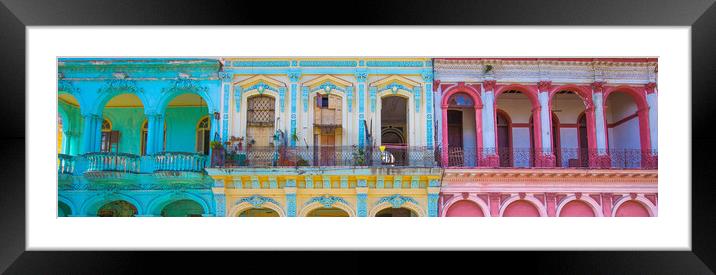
110	138
145	134
504	138
203	130
460	100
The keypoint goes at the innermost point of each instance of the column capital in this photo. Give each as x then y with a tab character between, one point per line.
224	76
294	75
544	85
361	76
489	85
598	86
650	87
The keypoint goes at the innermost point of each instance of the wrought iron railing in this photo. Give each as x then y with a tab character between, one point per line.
254	156
562	158
117	162
179	161
65	164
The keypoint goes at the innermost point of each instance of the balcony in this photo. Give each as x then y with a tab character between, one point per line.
563	158
327	117
103	164
179	161
328	156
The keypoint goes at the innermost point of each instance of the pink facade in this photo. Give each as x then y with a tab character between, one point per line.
553	137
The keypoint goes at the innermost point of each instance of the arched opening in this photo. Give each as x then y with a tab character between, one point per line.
69	124
583	141
504	138
328	212
260	120
518	107
187	127
182	208
555	140
327	128
394	130
569	128
118	208
464	208
462	142
63	210
110	137
396	212
624	130
123	117
203	135
632	208
576	208
521	208
259	212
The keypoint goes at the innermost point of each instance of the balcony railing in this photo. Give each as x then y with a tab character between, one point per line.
562	158
116	162
65	164
179	161
410	156
120	163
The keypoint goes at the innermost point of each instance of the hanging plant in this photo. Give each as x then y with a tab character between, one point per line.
488	68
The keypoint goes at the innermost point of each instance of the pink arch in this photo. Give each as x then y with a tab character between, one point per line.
475	95
577	208
521	208
530	92
477	201
637	94
464	208
632	208
461	87
585	94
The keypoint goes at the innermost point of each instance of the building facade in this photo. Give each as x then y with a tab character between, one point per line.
338	137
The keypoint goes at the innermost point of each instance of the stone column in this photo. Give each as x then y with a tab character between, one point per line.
294	76
651	99
290	190
545	157
90	132
362	78
599	154
429	108
489	148
219	197
151	133
362	198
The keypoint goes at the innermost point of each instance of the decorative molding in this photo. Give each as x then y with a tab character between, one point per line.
120	85
326	200
328	63
181	85
382	63
397	200
257	200
266	63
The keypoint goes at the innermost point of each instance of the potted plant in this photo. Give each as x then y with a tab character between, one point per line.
217	156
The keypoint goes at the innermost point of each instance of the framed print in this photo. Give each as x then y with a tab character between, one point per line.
199	137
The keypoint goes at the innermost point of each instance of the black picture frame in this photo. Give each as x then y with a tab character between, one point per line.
15	15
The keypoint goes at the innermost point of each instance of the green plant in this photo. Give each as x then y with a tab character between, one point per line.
488	68
216	144
301	162
358	156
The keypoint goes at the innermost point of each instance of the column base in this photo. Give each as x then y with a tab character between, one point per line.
545	161
489	161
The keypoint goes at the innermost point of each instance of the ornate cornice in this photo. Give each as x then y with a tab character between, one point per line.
549	175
